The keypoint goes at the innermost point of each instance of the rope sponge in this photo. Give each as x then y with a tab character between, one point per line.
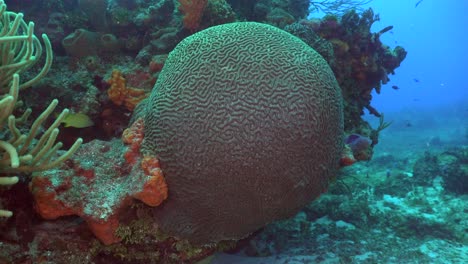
24	150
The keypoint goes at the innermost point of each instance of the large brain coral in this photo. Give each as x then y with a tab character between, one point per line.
247	122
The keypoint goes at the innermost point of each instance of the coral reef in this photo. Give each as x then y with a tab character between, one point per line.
102	199
95	10
110	189
368	61
275	12
332	7
29	149
374	217
451	165
360	146
83	44
299	9
217	12
264	105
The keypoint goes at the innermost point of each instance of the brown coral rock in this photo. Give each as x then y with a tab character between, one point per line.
246	120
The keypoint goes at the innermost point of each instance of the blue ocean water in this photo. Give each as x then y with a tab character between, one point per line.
434	72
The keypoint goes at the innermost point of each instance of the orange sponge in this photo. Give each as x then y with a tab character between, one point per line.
120	94
155	188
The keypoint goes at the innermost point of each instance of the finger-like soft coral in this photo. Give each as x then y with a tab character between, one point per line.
22	149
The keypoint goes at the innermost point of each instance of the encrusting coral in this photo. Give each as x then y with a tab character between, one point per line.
111	192
20	149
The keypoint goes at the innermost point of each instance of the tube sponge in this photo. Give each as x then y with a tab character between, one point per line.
81	43
109	43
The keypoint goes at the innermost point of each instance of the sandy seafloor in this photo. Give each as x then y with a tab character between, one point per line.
378	211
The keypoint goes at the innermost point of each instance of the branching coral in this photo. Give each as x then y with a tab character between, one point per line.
20	149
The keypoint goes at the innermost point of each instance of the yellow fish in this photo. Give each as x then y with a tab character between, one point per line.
77	120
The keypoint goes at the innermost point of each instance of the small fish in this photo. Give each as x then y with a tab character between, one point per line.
395	87
77	120
417	3
415	80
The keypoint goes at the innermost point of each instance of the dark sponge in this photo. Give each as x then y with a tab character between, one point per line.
247	122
